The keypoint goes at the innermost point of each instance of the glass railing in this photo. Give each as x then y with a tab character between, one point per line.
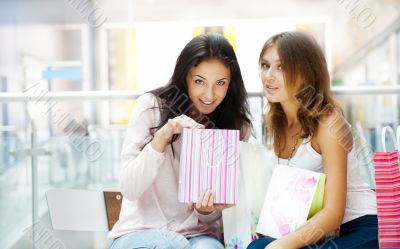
33	161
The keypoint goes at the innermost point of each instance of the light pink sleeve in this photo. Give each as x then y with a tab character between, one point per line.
139	167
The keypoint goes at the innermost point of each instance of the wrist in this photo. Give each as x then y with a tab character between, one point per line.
160	140
163	135
204	212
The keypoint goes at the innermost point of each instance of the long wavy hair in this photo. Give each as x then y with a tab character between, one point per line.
232	113
306	79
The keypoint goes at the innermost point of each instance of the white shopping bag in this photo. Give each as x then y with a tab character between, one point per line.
255	170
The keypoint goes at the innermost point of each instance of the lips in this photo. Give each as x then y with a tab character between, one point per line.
207	103
270	89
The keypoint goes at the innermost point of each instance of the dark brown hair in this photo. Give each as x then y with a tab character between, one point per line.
232	113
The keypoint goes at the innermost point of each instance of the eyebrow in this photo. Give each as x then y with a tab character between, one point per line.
199	76
265	60
206	79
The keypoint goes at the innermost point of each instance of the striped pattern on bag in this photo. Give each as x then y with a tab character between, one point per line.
209	160
387	179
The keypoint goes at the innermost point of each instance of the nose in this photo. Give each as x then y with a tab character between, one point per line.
265	74
209	92
269	73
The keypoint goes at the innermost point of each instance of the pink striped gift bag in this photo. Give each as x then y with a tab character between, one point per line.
387	179
209	161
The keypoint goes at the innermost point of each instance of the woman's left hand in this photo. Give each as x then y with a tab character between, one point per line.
205	204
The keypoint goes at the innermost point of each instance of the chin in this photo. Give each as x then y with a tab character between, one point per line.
271	99
206	112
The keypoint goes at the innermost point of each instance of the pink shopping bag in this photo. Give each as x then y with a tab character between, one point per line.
387	180
209	160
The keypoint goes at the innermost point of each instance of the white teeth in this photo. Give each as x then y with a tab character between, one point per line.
207	102
270	87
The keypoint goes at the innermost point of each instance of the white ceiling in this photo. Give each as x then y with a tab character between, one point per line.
347	35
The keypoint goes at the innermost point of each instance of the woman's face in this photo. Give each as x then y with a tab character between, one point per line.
208	84
272	76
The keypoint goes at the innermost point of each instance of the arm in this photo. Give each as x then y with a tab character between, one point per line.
139	167
332	139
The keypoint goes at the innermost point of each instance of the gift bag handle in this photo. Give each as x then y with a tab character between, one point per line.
391	132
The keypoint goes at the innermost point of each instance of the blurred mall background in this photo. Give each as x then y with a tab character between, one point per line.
70	71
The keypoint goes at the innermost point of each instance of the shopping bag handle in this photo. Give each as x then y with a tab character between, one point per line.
391	132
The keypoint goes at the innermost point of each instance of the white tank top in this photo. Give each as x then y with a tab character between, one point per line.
361	200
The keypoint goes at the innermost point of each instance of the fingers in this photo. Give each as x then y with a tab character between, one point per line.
187	122
176	125
211	200
208	200
205	203
200	201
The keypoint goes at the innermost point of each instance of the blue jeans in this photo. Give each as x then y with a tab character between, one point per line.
360	233
164	239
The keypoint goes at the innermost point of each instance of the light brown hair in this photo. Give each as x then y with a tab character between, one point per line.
307	80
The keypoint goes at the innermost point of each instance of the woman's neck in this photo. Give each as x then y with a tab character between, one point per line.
290	110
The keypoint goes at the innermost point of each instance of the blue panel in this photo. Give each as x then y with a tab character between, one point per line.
69	73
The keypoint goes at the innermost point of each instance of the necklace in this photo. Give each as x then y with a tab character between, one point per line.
293	148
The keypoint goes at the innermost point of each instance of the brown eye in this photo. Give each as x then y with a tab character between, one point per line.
221	83
198	81
264	66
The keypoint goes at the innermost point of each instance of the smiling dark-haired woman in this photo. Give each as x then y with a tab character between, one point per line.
206	90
